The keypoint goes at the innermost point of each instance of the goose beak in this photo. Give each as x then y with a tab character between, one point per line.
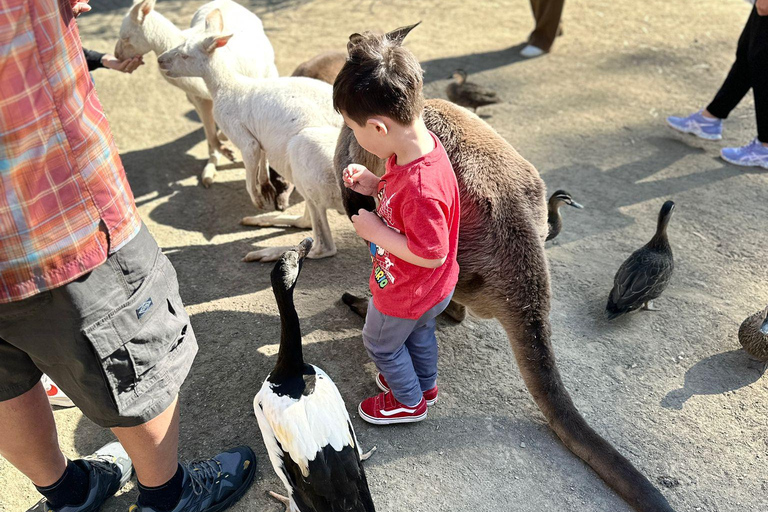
575	204
764	328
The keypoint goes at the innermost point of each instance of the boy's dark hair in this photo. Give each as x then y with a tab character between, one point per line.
380	77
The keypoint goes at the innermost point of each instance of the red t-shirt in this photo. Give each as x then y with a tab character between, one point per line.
421	201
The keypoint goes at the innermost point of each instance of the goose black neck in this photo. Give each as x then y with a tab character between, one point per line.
290	359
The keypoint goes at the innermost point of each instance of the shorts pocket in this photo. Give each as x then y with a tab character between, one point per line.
133	339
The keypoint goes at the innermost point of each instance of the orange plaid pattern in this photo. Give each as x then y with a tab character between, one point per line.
65	203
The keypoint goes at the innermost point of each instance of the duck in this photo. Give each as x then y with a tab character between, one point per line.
303	419
645	275
753	335
468	94
554	220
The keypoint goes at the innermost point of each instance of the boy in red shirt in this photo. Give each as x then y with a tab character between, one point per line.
414	233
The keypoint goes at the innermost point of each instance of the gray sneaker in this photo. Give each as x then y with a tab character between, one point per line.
109	469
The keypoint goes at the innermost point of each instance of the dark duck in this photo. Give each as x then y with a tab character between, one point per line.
468	94
645	274
753	335
303	420
554	220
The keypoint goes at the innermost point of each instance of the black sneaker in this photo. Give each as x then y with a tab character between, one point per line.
213	485
109	469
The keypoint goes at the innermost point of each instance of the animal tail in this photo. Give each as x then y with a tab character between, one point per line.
528	328
612	310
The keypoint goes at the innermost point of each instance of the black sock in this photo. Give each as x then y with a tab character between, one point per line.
70	490
164	497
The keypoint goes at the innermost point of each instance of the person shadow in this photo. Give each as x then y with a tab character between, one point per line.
715	375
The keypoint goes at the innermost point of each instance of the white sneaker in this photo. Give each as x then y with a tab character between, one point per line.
531	51
55	395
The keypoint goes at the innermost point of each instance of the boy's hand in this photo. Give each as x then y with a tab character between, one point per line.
361	180
367	224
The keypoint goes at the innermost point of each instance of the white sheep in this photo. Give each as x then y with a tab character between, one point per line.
291	119
145	30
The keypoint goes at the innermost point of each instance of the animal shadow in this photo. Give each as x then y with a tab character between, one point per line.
714	375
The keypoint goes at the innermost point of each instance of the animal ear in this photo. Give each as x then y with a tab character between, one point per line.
140	10
214	22
397	35
354	40
212	42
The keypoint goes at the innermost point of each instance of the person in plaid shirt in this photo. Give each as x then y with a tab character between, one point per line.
86	295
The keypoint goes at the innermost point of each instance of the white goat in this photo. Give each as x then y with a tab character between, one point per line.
290	119
145	30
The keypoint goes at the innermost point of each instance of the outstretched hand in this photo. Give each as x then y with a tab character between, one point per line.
125	66
361	180
79	6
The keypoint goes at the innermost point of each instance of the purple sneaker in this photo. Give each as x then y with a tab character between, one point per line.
753	154
698	125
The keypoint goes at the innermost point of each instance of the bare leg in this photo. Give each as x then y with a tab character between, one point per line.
153	446
367	455
29	440
358	305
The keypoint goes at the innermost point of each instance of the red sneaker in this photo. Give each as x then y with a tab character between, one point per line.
430	395
384	409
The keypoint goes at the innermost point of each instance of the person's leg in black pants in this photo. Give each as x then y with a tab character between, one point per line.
739	79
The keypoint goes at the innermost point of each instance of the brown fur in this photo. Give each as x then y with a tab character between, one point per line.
324	66
504	273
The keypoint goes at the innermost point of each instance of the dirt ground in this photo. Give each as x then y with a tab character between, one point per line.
671	390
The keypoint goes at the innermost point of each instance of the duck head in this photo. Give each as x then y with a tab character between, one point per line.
459	75
664	215
562	197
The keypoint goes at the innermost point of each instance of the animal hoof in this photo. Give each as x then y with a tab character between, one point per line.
208	176
253	220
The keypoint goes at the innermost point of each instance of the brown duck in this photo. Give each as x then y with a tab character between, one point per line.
753	335
468	94
554	221
645	274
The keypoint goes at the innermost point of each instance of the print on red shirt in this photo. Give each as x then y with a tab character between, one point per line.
421	201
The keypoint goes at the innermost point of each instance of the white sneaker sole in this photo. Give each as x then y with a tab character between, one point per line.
385	389
389	421
700	135
740	164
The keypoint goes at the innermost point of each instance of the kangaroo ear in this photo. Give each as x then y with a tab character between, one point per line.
210	43
354	39
140	10
214	22
399	34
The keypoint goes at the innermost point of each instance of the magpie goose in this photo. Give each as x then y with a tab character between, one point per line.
303	420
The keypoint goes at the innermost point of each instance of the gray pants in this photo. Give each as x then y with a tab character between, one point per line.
117	341
404	350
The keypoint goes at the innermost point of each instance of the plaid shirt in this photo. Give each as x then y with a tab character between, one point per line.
64	200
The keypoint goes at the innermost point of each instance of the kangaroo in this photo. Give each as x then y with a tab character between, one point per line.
504	271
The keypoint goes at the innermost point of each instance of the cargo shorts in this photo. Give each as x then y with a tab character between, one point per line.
117	340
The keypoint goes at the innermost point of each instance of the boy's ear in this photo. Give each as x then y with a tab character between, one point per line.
397	35
379	125
210	43
354	40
